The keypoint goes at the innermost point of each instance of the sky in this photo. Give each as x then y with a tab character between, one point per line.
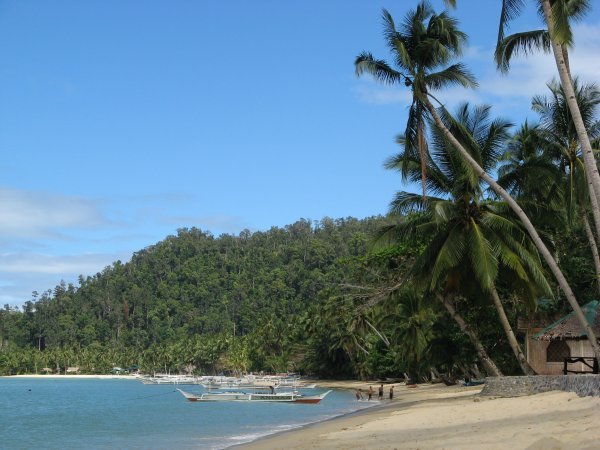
122	121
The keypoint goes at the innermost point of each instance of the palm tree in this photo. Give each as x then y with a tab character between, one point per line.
528	172
424	43
558	38
473	241
560	132
543	165
438	52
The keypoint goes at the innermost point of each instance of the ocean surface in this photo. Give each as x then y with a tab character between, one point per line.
126	414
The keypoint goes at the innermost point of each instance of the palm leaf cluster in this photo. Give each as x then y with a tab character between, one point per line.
472	237
421	46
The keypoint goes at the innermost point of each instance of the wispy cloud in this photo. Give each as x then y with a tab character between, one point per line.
49	237
13	263
22	273
26	214
369	91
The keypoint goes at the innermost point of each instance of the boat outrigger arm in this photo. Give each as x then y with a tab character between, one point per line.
290	397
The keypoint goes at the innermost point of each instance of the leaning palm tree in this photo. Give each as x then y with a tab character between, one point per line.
438	52
472	239
557	38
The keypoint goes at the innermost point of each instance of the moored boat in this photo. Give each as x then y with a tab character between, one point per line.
289	397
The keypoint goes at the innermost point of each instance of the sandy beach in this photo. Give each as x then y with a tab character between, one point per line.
441	417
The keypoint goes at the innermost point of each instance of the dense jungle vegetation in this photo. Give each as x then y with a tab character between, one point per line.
316	298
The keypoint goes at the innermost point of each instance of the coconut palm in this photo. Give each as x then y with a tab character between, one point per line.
558	38
543	167
422	45
437	52
473	239
561	141
528	172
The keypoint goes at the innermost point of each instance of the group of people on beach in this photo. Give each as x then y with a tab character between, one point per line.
371	392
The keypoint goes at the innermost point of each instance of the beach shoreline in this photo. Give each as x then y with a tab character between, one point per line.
449	417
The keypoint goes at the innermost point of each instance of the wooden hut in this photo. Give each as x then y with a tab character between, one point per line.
563	344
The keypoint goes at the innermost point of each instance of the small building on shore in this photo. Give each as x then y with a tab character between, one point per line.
547	347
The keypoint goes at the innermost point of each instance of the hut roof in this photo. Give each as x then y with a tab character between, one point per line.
569	328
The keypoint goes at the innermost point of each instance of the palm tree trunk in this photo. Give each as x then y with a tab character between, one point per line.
381	336
562	281
423	156
512	340
565	79
593	246
489	364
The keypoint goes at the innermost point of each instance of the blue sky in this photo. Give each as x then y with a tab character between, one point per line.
122	121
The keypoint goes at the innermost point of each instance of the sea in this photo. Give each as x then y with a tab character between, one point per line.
54	413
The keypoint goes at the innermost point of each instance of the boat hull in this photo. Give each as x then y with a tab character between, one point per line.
284	397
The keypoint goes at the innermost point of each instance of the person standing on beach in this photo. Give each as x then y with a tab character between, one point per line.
381	392
392	392
370	392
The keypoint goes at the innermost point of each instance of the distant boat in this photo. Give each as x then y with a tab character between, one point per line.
169	379
289	397
253	381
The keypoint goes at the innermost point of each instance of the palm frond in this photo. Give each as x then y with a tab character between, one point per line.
520	43
563	33
511	9
407	203
395	41
483	258
448	255
577	9
378	68
456	74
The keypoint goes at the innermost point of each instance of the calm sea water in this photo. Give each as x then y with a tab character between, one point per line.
126	414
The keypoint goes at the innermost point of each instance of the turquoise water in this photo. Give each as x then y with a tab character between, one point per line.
126	414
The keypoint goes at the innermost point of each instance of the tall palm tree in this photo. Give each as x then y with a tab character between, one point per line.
558	38
439	53
473	241
424	42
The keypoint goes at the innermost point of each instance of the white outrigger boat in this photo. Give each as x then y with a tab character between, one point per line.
289	397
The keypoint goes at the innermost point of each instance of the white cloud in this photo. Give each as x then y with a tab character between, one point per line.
369	91
38	214
12	263
528	75
23	273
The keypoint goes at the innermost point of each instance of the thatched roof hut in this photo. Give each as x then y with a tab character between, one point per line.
568	327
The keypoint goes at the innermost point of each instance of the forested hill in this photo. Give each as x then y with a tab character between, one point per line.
194	284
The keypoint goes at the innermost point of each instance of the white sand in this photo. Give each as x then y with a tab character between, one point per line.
440	417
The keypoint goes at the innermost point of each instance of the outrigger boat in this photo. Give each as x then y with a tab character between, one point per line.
290	397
